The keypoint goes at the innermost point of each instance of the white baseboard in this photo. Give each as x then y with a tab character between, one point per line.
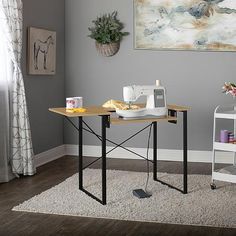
163	154
50	155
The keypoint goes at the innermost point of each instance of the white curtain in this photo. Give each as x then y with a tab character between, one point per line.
20	151
5	71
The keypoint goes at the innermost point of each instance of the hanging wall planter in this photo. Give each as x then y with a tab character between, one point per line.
107	33
109	49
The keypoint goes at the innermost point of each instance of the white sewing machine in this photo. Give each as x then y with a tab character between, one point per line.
156	101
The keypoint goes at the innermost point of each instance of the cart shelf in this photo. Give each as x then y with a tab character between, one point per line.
226	115
227	174
225	146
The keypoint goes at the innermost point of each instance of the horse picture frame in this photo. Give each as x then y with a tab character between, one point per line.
41	51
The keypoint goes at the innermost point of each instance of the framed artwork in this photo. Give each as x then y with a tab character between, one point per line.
41	51
205	25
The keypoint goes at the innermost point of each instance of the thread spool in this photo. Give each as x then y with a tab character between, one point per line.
224	136
230	137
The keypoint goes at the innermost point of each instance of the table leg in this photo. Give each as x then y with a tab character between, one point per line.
80	153
154	150
104	187
185	151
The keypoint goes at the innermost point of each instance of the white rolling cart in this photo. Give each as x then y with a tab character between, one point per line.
227	174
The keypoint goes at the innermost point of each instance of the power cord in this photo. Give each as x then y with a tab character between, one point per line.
148	145
140	193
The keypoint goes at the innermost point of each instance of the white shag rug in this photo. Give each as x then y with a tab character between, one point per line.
201	206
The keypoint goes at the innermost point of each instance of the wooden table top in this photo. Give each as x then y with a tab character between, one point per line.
99	110
177	107
90	111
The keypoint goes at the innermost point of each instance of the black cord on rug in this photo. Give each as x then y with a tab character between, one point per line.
147	161
140	193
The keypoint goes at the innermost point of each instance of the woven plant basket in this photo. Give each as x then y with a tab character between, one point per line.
108	50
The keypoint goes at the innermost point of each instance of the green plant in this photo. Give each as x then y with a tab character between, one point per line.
107	29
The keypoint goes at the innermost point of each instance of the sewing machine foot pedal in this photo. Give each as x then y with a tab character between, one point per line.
140	193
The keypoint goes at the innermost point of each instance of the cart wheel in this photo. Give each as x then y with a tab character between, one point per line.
213	186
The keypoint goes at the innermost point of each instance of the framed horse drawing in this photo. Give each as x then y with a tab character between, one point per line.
41	51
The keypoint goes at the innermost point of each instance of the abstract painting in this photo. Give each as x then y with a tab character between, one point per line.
185	24
41	51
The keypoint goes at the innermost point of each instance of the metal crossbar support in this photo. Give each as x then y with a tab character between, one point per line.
89	130
117	145
120	145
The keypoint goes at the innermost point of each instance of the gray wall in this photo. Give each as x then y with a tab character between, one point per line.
43	92
191	78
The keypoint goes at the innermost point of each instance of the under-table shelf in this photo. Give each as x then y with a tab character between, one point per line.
117	120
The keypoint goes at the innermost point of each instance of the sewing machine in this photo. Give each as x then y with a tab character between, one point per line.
156	101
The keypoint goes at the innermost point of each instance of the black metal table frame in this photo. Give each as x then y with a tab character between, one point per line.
105	123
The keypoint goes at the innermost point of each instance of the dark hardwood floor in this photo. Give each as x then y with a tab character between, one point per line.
20	223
